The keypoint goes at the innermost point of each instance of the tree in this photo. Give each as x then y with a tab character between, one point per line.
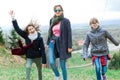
2	40
115	61
13	39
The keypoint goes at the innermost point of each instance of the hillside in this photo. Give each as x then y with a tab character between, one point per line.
6	58
76	71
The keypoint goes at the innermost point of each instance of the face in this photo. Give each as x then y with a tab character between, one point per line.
94	25
58	11
31	30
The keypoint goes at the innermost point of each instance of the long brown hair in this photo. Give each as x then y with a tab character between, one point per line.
33	23
58	6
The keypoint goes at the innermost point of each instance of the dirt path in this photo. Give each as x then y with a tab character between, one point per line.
112	47
85	65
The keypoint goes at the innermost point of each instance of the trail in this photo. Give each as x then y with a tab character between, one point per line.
85	65
112	47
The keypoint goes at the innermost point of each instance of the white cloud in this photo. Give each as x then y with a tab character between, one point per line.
78	11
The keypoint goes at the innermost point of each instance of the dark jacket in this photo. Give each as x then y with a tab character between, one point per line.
65	39
98	40
37	49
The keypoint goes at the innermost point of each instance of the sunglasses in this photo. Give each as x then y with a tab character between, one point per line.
57	10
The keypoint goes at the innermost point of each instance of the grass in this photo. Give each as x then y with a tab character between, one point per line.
76	60
17	71
87	73
11	70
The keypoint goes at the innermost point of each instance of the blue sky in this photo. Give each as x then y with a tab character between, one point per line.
78	11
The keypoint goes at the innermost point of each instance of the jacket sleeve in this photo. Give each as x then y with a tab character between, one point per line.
48	39
42	49
111	38
69	34
18	30
85	47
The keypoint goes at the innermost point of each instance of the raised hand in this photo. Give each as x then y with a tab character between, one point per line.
12	14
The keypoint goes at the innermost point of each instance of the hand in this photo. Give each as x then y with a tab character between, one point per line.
46	46
44	65
69	50
84	59
12	14
118	44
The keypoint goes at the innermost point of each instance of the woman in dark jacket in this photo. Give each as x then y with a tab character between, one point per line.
59	41
97	37
36	53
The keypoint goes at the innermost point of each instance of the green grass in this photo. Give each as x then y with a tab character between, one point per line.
77	60
17	72
85	73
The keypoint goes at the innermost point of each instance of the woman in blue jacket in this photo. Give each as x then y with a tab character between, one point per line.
36	53
59	41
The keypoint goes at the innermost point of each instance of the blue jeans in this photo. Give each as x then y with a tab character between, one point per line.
98	67
52	62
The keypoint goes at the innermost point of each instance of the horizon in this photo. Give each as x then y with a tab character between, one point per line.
76	25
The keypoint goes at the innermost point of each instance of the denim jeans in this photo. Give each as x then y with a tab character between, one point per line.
52	62
98	68
38	62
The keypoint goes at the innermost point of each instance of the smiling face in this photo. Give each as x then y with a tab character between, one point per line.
94	23
58	10
31	29
94	26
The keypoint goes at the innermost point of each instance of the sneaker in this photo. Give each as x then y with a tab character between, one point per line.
104	77
57	78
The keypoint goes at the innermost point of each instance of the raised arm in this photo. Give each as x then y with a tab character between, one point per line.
16	26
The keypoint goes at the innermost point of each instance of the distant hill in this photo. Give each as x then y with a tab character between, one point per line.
105	23
110	22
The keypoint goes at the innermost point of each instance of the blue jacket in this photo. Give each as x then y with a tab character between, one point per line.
37	50
98	39
65	38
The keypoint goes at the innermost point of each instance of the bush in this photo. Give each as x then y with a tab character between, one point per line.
115	61
2	40
14	37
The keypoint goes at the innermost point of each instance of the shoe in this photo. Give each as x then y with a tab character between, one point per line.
57	78
104	77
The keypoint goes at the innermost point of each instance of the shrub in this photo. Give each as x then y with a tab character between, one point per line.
2	40
115	61
13	39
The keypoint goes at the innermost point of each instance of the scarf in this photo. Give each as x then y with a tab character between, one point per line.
55	20
33	36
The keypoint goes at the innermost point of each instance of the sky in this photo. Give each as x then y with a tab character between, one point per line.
77	11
